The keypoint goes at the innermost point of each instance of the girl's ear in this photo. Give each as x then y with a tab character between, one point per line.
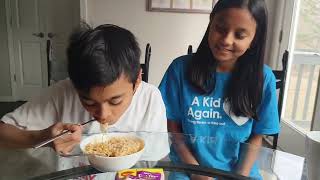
253	43
251	47
211	16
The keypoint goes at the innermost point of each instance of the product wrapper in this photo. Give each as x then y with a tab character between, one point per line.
141	174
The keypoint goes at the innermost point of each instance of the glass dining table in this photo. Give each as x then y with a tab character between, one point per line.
45	163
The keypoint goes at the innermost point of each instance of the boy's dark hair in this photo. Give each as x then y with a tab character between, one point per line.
244	89
99	56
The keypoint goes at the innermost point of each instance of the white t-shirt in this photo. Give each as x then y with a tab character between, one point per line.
61	102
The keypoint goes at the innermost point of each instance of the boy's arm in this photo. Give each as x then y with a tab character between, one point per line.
26	125
38	120
13	137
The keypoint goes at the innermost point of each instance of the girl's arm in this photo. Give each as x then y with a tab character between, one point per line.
249	155
179	143
183	151
268	123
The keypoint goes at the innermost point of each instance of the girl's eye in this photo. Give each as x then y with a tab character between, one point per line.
240	35
220	29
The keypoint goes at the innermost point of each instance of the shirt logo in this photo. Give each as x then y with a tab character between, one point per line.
205	108
205	111
239	120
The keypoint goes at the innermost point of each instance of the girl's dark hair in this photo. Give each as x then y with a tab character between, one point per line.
98	57
244	89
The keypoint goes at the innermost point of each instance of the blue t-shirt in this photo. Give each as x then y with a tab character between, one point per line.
215	133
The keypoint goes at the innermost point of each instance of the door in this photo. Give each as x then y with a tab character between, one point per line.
40	31
29	48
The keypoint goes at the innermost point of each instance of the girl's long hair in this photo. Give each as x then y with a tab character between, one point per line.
244	89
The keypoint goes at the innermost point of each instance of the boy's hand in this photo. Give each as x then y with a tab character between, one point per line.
65	143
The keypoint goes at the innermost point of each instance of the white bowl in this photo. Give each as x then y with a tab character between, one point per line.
111	164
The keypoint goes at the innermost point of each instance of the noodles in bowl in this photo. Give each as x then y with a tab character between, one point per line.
112	151
115	146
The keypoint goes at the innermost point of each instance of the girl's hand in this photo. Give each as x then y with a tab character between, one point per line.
66	143
199	177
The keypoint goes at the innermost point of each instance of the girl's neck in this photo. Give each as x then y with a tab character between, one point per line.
225	66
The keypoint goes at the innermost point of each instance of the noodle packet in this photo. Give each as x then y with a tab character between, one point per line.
141	174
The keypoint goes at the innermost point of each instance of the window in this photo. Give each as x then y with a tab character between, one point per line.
304	76
308	33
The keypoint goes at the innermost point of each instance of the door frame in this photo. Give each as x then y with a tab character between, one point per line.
84	10
277	36
315	123
13	96
289	39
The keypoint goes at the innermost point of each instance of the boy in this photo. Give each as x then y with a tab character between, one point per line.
105	84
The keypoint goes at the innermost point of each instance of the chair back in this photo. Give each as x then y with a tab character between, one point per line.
190	49
281	79
280	85
145	65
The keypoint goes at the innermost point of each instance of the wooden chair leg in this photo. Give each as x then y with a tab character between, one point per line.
275	141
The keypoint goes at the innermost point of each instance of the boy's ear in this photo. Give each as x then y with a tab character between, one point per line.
139	79
140	75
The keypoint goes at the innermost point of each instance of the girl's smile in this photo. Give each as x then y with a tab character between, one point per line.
221	49
231	34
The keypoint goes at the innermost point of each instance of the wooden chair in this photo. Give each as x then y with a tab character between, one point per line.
190	49
280	86
145	65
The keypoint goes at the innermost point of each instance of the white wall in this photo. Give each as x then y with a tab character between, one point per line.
5	78
169	33
272	33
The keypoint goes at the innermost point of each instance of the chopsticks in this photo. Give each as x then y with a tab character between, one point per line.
57	136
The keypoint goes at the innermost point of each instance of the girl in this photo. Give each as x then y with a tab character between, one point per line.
223	91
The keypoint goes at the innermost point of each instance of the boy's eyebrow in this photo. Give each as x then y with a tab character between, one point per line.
117	96
112	98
